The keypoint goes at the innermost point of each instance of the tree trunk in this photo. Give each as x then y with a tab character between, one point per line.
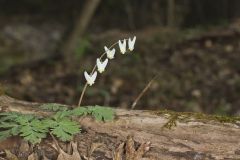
191	138
171	13
82	22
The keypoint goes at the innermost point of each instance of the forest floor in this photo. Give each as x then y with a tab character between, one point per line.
198	71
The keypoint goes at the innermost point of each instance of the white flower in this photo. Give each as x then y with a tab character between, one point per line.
101	65
131	43
90	78
110	53
122	46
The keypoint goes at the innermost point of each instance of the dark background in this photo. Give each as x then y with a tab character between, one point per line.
193	45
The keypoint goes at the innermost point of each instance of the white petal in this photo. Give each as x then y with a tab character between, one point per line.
131	43
106	49
89	78
101	65
122	46
86	76
104	64
94	76
111	53
98	63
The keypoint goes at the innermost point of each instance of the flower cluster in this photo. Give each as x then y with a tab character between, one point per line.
110	53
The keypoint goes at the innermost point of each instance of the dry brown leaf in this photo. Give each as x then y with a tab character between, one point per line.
65	156
131	152
93	147
130	148
144	147
117	154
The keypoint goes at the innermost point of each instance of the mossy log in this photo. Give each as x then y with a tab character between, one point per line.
193	137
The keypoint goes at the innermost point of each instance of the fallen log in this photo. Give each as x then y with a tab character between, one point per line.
191	135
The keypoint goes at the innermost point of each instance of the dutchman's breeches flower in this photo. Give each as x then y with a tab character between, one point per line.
131	43
101	65
90	78
110	53
122	46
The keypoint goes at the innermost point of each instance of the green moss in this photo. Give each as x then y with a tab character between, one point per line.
173	117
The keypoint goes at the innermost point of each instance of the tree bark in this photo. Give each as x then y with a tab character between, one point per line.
193	139
78	30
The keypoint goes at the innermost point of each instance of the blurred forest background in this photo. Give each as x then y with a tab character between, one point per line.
194	46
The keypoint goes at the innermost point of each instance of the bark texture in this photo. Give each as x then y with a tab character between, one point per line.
193	139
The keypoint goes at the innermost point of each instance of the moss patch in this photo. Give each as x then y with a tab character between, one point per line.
173	117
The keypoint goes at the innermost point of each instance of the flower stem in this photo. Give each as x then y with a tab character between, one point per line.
93	70
81	97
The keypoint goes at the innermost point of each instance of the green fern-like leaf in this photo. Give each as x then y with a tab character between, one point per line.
5	134
8	127
80	111
62	114
24	119
8	116
102	113
64	129
53	107
9	132
27	126
33	128
34	131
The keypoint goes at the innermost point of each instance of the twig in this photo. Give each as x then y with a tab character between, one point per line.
143	91
56	143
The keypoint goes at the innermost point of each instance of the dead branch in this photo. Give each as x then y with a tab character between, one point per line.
192	139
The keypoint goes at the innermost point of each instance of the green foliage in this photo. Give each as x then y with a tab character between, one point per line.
27	126
80	111
33	130
61	125
53	107
64	128
98	112
8	125
101	113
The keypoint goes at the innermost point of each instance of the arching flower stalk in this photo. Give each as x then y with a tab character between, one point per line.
101	65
